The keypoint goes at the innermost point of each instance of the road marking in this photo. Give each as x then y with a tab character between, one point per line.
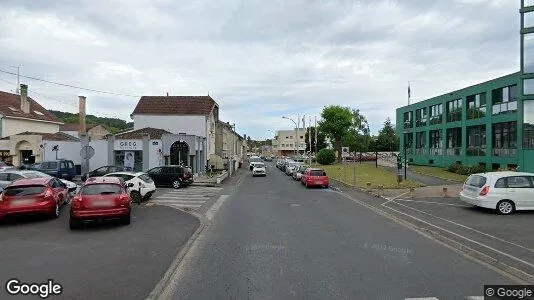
432	202
424	298
179	201
191	197
215	207
469	228
185	205
294	204
461	236
392	199
474	298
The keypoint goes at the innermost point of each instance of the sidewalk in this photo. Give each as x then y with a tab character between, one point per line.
424	179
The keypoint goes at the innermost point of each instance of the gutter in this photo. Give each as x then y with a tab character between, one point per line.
35	120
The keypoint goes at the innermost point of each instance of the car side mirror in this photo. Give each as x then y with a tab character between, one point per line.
130	185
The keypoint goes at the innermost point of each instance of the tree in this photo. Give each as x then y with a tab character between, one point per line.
326	156
387	139
321	143
336	122
358	137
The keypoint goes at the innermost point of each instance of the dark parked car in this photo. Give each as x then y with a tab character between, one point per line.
175	176
59	168
102	171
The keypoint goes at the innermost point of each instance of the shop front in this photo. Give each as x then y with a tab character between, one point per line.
129	153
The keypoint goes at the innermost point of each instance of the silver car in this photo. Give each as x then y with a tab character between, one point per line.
291	167
8	176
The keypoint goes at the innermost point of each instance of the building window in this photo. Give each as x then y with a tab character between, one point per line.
454	141
408	142
454	110
505	139
420	142
476	106
528	124
436	112
528	19
476	140
528	87
436	142
528	3
528	53
504	100
420	117
301	137
408	122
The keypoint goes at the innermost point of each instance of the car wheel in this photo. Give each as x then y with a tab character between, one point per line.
177	184
505	207
136	197
126	220
73	223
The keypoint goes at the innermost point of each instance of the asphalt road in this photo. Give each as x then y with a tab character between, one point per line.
106	261
274	239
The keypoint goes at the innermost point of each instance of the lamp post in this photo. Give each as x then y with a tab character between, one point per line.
296	133
405	152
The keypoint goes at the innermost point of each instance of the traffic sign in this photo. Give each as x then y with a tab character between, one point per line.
87	152
344	151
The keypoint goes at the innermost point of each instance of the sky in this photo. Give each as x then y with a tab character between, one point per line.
260	60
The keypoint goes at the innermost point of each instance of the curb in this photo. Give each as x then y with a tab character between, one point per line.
164	282
519	275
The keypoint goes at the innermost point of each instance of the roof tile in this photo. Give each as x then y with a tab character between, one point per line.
10	107
154	133
174	105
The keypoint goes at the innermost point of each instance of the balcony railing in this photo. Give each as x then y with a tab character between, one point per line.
504	152
436	151
453	151
435	120
421	151
455	116
505	107
420	122
476	151
408	124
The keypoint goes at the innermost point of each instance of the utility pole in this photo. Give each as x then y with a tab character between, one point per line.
309	140
297	135
316	136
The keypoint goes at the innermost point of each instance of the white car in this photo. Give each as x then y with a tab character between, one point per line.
291	167
502	191
143	186
259	170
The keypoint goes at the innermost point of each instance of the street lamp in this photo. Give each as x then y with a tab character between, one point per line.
296	134
405	152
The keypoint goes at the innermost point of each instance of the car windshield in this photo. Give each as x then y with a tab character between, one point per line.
145	178
24	190
101	189
317	173
259	165
476	180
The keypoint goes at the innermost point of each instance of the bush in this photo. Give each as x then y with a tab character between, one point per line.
465	170
326	156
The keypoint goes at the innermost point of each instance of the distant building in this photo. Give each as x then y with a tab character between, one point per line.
94	131
285	143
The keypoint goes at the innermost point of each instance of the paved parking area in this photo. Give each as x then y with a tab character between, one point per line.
106	261
507	239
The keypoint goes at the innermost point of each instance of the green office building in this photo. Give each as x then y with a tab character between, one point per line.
489	124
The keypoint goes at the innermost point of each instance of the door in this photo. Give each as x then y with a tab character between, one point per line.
520	190
169	175
156	175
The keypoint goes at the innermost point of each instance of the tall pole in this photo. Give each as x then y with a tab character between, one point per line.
297	135
316	129
309	140
405	158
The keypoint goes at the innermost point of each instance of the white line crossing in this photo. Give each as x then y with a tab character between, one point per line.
434	298
190	197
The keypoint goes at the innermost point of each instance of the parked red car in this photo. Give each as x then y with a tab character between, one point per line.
101	198
45	195
315	177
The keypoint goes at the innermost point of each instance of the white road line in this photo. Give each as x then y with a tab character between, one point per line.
433	202
179	201
425	298
213	210
474	298
392	199
461	236
181	197
469	228
182	206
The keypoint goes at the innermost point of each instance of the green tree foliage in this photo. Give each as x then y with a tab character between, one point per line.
358	137
336	123
321	140
326	156
113	125
387	139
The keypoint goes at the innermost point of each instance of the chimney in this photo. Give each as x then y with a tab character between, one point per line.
81	128
24	103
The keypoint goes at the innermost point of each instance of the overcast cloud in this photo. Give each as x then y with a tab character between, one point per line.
260	60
